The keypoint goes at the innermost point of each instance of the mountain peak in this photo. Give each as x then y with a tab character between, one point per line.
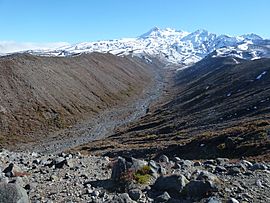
151	32
252	37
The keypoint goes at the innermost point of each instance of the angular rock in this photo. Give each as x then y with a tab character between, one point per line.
60	162
163	197
198	189
172	184
118	169
12	170
13	193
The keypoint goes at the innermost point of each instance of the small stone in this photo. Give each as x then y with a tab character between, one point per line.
259	183
210	162
222	161
162	171
53	178
60	162
232	200
234	171
247	163
163	198
176	159
213	200
164	158
220	169
27	187
135	194
197	163
259	166
95	193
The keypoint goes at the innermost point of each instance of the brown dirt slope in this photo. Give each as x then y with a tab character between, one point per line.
41	94
216	108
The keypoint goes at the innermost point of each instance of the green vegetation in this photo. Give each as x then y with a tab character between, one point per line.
142	175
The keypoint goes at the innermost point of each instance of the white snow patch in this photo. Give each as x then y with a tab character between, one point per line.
260	76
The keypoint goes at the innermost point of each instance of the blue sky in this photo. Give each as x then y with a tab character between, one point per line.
89	20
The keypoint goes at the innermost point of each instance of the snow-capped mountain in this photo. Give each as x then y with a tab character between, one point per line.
173	46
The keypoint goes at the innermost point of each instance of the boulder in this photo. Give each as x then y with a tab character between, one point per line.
13	193
118	169
12	170
172	184
198	189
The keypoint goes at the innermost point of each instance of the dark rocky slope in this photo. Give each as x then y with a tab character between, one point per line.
217	108
43	94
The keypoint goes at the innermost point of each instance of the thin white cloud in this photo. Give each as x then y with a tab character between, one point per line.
12	46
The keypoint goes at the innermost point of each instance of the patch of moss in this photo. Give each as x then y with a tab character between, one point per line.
142	175
142	179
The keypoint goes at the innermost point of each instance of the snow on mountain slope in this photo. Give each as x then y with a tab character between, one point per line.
172	46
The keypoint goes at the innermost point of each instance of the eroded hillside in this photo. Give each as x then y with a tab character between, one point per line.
43	94
217	108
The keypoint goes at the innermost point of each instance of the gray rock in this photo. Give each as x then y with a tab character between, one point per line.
213	200
95	193
122	198
221	161
164	158
234	171
247	163
187	163
60	162
138	164
135	194
163	198
220	169
198	189
210	162
12	193
174	183
259	166
12	170
162	171
232	200
207	176
118	169
176	159
197	163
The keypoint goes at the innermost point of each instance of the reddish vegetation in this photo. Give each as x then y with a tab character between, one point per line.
43	94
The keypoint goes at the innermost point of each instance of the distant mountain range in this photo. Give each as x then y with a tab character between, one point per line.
173	46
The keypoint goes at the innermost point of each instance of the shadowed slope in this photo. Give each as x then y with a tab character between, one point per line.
218	107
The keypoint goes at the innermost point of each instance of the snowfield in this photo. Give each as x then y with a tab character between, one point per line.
170	45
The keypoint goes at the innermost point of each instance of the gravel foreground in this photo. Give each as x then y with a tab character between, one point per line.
33	177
